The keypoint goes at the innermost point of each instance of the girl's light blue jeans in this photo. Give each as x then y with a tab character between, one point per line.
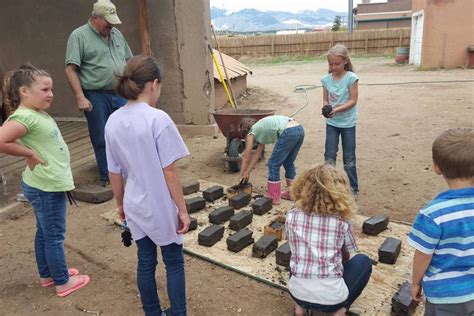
284	153
50	212
348	136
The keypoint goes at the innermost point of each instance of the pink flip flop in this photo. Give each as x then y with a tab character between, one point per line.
71	272
85	280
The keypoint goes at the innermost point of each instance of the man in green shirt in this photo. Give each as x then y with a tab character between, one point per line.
96	53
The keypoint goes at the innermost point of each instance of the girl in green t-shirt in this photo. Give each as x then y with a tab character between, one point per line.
27	93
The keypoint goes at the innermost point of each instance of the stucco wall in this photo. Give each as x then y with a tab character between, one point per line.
448	30
391	6
37	32
366	25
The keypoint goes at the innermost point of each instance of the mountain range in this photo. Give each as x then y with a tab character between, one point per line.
251	20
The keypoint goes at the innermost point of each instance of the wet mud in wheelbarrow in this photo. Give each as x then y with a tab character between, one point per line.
228	122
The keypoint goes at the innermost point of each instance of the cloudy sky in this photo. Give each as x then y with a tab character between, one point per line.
284	5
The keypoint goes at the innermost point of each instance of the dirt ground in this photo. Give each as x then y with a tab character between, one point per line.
397	124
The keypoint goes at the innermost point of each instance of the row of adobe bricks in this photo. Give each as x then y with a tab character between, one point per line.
237	222
388	252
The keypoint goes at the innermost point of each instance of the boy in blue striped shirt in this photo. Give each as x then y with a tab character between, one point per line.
443	231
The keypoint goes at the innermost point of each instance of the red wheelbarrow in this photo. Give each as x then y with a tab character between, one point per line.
228	122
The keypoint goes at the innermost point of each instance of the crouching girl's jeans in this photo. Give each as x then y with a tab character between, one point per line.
284	153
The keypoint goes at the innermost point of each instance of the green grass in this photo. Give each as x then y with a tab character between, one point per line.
280	60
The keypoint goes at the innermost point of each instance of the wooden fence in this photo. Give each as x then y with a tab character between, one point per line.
313	44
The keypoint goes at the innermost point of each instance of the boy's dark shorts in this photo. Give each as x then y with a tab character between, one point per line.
466	308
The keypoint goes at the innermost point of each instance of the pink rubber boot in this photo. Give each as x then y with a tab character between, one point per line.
286	194
274	193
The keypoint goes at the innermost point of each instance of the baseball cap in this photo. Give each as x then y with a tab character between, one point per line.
107	9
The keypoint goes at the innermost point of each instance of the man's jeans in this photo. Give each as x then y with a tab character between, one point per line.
50	212
356	275
284	153
103	103
175	279
348	136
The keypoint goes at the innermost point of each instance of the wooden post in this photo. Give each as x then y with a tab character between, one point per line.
366	43
400	38
242	48
273	46
301	45
144	28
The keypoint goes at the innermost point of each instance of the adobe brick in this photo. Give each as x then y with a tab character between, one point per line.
402	302
389	251
239	200
193	225
264	246
283	255
221	215
190	187
262	205
195	204
209	236
239	240
375	225
240	220
213	193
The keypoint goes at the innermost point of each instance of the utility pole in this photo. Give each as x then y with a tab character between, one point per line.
349	17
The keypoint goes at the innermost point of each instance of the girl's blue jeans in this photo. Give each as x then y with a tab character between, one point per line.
284	153
104	103
348	136
175	279
50	212
356	275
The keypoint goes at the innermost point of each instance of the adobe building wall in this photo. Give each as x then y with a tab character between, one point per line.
390	6
370	25
447	32
37	32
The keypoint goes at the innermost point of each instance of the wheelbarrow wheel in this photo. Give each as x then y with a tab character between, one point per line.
236	147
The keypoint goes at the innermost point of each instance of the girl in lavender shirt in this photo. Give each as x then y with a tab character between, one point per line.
142	145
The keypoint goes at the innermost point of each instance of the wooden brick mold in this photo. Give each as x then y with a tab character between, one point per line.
276	228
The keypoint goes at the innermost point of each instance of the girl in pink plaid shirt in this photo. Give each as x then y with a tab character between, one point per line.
323	276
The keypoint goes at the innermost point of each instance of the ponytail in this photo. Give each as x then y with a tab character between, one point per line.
137	72
12	82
